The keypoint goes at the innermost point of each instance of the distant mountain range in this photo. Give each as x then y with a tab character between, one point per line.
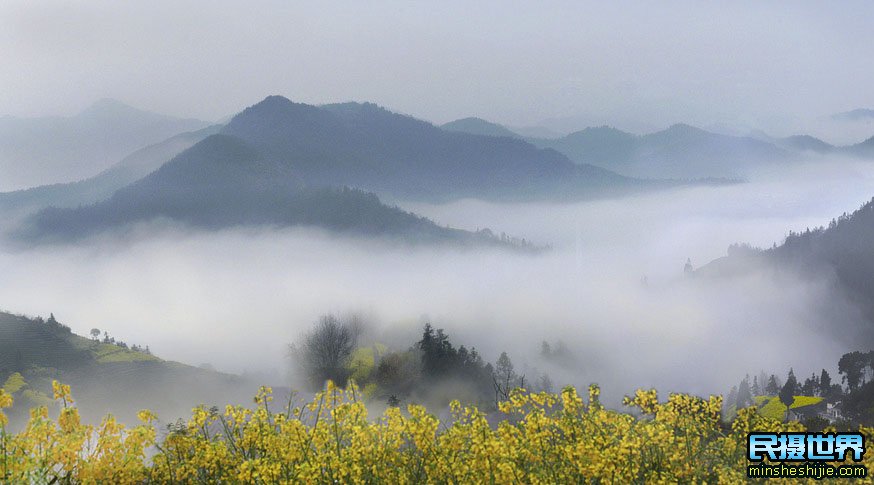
860	114
221	182
285	163
40	151
368	147
100	187
680	151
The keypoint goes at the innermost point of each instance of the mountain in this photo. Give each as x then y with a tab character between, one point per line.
285	163
106	376
368	147
843	253
223	181
130	169
39	151
805	143
603	146
864	149
680	151
855	115
478	126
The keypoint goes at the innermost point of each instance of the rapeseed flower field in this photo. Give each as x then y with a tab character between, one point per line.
541	438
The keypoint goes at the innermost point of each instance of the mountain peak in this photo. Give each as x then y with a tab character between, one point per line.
478	126
272	106
109	107
275	100
684	128
603	129
108	103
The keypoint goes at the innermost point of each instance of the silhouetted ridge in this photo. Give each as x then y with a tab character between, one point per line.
860	114
478	126
223	181
807	143
841	253
286	163
681	151
366	146
100	187
40	151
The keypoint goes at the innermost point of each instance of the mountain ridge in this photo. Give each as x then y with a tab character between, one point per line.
48	150
222	181
101	186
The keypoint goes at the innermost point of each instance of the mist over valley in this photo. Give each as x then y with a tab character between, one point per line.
564	242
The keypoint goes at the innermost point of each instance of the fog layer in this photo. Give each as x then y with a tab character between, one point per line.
235	298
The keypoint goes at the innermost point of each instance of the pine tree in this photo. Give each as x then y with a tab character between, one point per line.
787	393
732	397
825	384
744	396
773	387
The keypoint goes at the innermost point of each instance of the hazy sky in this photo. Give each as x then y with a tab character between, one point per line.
636	64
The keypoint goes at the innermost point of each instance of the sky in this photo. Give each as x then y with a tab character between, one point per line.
638	65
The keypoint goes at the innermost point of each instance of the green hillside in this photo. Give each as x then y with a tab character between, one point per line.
771	407
107	377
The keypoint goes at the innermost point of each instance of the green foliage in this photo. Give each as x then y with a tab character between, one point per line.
14	383
106	353
118	378
32	398
787	393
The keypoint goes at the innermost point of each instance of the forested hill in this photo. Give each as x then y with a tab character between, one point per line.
844	251
222	182
371	148
846	247
478	126
106	375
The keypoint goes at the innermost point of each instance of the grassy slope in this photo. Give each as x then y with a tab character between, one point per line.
105	378
775	409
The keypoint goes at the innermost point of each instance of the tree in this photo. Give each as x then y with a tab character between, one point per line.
756	389
95	333
825	383
440	360
732	397
744	396
438	355
326	349
773	387
852	366
810	386
545	350
398	373
504	367
505	378
544	384
787	393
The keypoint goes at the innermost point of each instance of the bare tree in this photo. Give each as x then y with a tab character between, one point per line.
505	378
324	352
